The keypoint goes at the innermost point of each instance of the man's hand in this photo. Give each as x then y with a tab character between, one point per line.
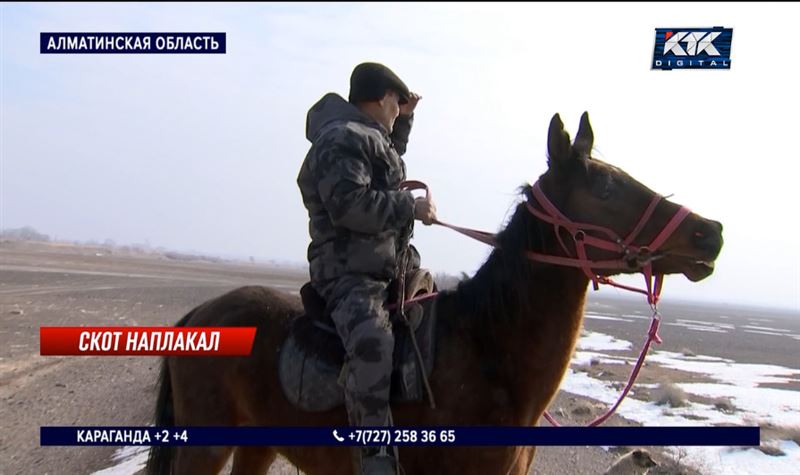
425	211
408	108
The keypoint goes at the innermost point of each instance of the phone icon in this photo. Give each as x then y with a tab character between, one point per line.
336	436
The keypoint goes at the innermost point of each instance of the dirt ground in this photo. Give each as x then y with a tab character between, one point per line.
61	285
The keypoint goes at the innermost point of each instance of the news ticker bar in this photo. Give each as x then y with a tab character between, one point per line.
351	436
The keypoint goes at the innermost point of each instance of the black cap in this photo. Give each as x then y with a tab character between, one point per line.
370	81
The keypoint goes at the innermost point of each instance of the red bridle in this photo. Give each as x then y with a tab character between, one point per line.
631	256
640	256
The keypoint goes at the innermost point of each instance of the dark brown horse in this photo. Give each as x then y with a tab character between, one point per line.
504	337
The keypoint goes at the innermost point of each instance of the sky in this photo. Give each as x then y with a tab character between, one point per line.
201	153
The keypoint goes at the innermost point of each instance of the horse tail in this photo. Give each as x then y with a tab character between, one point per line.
159	462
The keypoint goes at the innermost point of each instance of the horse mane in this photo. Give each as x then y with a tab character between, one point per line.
496	294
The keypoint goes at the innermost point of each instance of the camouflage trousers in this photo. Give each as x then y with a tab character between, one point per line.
356	305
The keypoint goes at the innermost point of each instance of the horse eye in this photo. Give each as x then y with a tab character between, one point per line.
602	187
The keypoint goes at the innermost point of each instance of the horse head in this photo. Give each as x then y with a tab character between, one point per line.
608	222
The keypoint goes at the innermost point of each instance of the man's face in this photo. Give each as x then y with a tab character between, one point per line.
390	109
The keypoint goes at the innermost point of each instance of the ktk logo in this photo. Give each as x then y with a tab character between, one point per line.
696	43
692	48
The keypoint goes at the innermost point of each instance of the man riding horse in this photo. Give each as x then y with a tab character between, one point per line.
360	224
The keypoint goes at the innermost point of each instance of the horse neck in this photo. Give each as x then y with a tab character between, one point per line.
528	316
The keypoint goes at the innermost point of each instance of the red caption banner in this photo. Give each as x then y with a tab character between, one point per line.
146	341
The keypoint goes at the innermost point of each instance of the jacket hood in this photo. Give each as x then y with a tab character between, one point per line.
332	108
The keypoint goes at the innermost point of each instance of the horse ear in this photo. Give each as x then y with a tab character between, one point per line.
584	140
558	144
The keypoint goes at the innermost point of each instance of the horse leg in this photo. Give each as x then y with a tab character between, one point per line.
524	459
252	460
200	460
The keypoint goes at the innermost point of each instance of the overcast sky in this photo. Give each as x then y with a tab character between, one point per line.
201	152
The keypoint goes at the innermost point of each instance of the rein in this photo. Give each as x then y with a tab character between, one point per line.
631	257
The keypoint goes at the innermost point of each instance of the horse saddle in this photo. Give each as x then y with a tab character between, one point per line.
310	365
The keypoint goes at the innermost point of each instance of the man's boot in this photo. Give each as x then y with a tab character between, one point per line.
377	461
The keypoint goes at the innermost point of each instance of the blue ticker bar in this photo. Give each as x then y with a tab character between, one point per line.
350	436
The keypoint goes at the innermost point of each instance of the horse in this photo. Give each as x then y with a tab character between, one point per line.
504	337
